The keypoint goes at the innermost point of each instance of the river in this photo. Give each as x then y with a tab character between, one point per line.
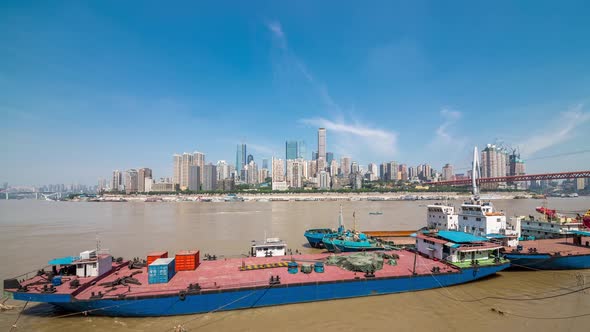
32	232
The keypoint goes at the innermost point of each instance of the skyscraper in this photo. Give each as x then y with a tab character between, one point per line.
209	182
278	170
193	177
354	167
117	180
493	164
324	180
177	169
301	150
249	159
265	163
223	171
329	158
131	181
448	173
321	149
240	157
142	174
333	168
186	162
252	173
199	160
295	173
345	166
291	150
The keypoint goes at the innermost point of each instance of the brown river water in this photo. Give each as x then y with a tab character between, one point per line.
32	232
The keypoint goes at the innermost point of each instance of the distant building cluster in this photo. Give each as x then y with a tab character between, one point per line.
294	171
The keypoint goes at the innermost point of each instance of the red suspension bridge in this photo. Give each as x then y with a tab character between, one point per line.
516	178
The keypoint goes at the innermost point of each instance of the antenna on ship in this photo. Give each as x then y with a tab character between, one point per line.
475	175
97	243
340	221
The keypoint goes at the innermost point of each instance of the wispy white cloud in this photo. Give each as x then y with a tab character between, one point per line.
358	139
563	129
443	133
361	141
294	61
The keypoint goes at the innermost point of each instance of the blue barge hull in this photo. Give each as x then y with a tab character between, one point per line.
543	261
207	301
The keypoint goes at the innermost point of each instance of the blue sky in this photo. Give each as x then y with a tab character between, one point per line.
86	88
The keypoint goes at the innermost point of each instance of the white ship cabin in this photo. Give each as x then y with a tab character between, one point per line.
455	247
271	247
93	264
442	217
480	219
548	229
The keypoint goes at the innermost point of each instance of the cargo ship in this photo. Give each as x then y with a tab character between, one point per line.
95	283
568	253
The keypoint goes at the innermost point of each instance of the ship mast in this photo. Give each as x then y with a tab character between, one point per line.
475	175
340	221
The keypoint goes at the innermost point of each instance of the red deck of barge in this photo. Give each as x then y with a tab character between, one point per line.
563	246
226	274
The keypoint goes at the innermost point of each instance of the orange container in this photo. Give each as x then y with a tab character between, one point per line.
152	256
187	260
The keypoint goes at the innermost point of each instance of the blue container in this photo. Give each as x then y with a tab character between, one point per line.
292	267
161	270
56	281
318	267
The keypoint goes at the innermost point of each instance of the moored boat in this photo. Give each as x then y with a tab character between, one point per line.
124	288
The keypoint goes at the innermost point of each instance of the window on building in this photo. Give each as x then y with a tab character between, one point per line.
478	219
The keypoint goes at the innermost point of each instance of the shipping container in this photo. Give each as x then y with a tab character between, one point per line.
161	271
187	260
152	256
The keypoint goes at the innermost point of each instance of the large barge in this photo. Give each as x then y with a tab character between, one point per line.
125	288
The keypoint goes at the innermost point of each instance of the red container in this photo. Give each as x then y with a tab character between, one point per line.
152	256
187	260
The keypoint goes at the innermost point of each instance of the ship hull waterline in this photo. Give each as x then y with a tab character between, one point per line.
271	295
543	261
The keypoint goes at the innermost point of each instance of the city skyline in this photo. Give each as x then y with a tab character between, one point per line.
385	88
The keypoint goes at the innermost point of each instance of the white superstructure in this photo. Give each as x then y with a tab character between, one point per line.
474	216
271	247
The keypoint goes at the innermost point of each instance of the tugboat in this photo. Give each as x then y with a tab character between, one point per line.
315	236
352	241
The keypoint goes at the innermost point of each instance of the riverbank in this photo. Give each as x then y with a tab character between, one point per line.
325	196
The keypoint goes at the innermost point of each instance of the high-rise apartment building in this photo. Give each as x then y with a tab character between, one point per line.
131	181
493	161
193	178
142	174
117	180
199	160
223	170
278	170
333	168
324	182
177	169
448	173
209	182
295	173
354	167
392	171
403	171
345	163
251	173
